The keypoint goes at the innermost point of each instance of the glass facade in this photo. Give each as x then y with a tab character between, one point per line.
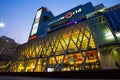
113	18
71	48
101	30
106	41
71	43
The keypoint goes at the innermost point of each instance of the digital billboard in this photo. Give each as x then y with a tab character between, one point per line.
36	24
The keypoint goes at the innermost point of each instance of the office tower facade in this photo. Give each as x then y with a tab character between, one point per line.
7	52
7	47
75	40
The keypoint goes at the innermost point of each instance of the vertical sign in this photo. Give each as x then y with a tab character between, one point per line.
36	23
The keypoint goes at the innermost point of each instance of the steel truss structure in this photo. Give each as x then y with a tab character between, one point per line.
67	49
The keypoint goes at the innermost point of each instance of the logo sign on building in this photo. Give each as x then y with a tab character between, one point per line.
66	15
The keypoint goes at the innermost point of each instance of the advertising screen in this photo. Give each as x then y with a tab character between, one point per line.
36	23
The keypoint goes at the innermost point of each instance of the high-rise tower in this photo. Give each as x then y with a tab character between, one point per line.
39	24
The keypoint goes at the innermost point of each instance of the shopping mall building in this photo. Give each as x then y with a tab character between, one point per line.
82	38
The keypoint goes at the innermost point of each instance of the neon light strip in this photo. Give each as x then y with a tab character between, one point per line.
74	22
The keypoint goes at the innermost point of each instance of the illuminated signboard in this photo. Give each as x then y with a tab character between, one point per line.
36	23
67	15
74	22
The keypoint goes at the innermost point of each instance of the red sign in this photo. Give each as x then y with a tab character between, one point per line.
32	37
68	15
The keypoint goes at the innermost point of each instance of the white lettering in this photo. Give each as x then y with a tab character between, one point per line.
63	17
80	10
73	13
76	11
91	14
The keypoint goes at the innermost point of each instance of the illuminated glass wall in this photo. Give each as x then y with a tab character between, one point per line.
106	42
101	31
69	49
71	44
